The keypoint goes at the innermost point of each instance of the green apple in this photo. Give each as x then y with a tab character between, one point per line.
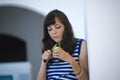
55	47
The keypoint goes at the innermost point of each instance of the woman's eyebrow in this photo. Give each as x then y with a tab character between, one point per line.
56	24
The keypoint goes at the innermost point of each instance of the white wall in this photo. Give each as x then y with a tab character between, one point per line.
103	29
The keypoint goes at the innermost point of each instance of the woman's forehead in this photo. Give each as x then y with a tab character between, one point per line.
57	22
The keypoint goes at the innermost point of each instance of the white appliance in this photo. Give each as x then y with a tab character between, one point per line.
15	71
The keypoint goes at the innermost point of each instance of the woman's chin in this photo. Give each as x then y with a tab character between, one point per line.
57	41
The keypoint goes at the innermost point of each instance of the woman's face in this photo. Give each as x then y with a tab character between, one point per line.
56	31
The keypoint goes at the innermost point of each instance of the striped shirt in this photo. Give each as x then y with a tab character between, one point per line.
62	70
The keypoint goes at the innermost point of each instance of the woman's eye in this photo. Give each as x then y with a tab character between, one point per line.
57	26
49	29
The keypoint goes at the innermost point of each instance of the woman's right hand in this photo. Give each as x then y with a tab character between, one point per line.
47	55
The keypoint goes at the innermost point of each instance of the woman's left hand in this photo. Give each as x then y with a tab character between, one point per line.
61	54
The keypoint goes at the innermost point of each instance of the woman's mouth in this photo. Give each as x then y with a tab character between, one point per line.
55	37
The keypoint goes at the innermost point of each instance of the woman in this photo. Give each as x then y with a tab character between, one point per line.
69	61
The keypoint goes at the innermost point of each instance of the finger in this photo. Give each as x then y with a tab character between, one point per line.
46	54
56	56
57	49
57	52
49	51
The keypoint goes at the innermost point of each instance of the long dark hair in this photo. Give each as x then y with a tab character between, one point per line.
68	42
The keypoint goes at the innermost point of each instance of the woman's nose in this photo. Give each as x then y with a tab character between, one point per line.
54	31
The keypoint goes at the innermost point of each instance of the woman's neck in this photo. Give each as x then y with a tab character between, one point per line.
59	43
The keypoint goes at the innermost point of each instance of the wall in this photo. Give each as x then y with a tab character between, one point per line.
103	25
27	26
